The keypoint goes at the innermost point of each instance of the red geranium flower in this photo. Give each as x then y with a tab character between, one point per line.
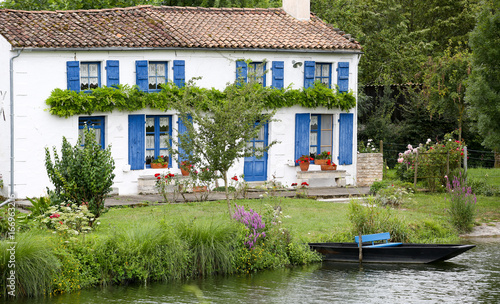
294	184
60	222
304	184
157	174
235	178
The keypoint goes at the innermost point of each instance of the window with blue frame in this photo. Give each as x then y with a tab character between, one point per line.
321	133
314	134
256	72
158	131
93	122
323	73
157	75
90	75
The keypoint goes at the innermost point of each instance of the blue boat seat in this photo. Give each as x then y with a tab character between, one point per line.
377	237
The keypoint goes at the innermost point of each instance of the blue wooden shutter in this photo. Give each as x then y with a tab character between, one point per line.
136	139
112	73
179	73
345	138
73	74
343	76
302	125
181	130
278	74
309	69
241	71
141	77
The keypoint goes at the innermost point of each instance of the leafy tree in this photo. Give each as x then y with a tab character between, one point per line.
221	126
483	87
84	172
36	5
398	35
444	85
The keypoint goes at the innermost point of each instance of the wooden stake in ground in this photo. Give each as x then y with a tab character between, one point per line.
360	246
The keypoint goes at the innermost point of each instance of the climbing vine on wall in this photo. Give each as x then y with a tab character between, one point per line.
66	103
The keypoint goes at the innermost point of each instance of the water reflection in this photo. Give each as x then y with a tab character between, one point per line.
473	277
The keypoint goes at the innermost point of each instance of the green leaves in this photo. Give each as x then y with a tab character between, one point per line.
66	103
83	174
483	87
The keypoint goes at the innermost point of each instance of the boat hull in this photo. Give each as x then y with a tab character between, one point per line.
405	253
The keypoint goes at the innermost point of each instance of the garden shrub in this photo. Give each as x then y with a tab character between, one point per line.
374	219
83	173
432	161
393	195
68	220
377	185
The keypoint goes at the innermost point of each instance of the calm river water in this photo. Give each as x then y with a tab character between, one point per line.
473	277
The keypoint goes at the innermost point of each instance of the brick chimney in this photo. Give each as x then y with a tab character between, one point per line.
299	9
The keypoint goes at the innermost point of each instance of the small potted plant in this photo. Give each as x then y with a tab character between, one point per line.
159	162
186	167
329	166
322	158
304	162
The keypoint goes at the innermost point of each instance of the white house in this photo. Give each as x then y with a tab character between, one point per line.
148	45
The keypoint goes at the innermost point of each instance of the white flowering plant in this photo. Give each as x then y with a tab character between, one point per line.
68	219
370	147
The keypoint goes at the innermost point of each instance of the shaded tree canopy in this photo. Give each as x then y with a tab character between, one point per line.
35	5
483	89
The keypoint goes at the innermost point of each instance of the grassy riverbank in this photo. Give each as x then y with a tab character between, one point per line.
176	241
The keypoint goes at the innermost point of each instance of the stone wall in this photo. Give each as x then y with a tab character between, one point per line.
370	168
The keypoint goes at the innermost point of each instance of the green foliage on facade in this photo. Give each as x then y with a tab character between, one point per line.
66	103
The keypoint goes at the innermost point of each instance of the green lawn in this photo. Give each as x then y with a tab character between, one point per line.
308	220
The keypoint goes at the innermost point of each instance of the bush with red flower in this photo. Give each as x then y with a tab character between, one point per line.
302	190
304	159
163	180
69	220
433	161
324	155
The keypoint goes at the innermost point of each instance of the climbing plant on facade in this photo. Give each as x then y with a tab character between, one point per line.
66	103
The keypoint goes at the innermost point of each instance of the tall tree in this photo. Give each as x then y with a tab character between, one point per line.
36	5
483	87
444	85
221	127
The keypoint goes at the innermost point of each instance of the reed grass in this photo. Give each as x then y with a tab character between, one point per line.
213	246
35	264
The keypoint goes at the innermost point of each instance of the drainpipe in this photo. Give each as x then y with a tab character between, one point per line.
12	196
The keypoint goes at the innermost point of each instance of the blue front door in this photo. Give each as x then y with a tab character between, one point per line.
256	166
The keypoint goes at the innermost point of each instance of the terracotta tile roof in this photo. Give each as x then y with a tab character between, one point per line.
166	26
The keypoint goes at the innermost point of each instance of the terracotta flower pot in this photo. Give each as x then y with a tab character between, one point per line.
304	166
159	166
184	172
320	161
328	167
199	188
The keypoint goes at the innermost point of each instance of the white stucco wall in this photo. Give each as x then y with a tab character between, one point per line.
37	73
5	55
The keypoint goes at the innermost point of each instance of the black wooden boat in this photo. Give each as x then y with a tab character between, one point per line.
398	253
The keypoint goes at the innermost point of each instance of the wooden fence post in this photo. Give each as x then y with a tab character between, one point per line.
465	159
448	163
416	171
360	246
